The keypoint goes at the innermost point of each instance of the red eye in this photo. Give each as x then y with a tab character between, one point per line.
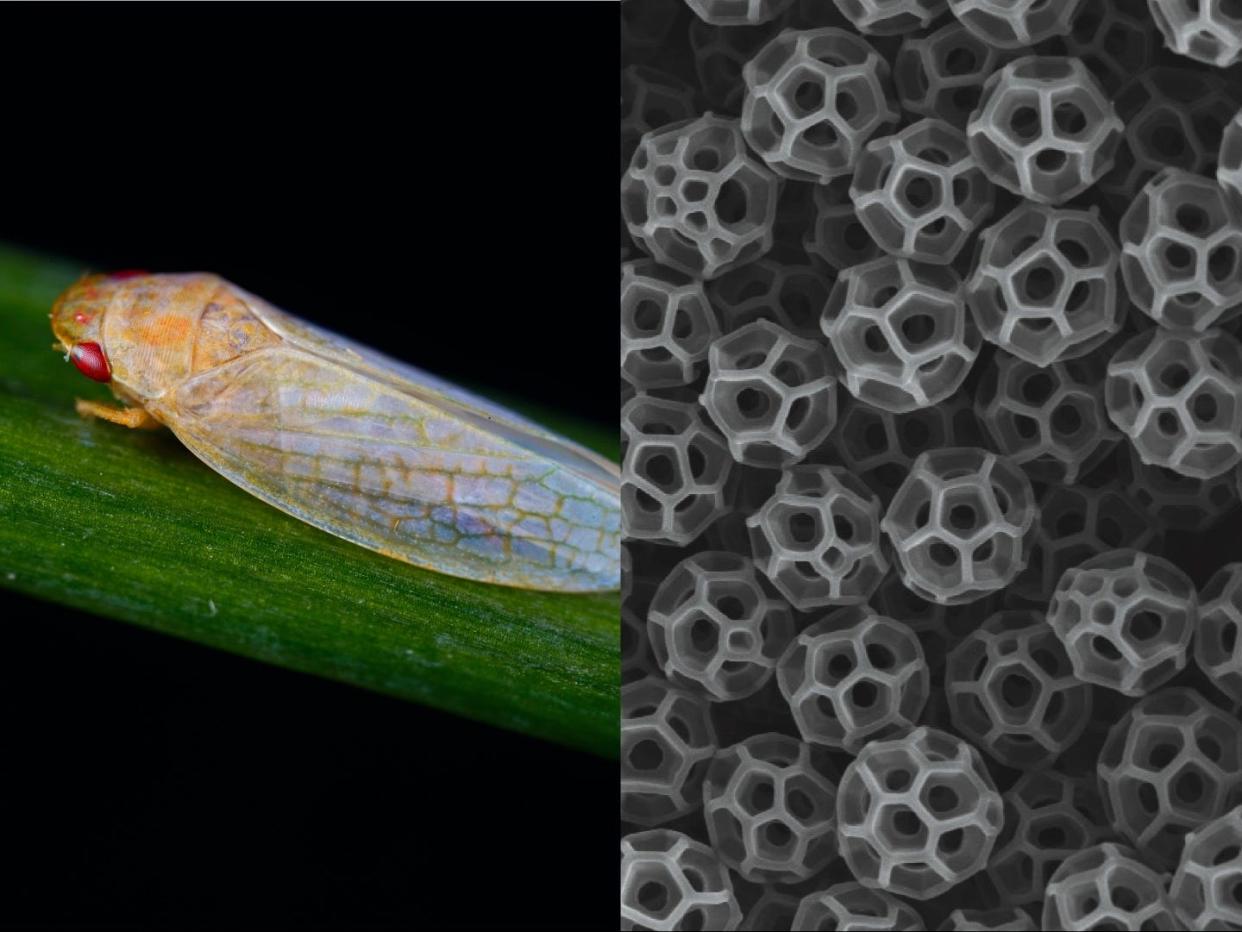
128	273
91	361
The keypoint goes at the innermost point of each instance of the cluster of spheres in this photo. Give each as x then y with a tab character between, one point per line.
931	377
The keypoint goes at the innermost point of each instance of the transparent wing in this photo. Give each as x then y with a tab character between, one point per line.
413	474
434	390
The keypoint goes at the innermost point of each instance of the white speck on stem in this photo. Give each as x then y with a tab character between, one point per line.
211	608
10	576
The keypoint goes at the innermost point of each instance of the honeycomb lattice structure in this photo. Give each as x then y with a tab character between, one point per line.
836	236
1174	118
1172	763
715	627
666	326
917	815
673	470
1181	250
1115	40
1006	24
1077	523
1044	284
1229	165
880	447
818	538
961	524
790	294
1048	817
941	73
769	803
1178	397
851	906
852	678
1049	421
1178	502
738	12
775	909
890	17
650	99
1002	919
695	199
1207	889
670	882
1044	128
1207	32
1218	647
899	333
1107	886
667	740
920	193
1126	619
1012	691
770	393
813	99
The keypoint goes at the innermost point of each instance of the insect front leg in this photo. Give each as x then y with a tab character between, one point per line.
135	418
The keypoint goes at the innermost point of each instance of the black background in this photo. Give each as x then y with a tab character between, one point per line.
435	181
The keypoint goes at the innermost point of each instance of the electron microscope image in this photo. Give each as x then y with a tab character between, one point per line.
931	416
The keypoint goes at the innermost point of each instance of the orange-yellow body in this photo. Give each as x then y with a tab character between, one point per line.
353	442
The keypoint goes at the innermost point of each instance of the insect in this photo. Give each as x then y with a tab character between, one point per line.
342	437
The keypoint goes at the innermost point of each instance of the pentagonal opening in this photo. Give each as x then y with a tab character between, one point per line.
1167	423
1050	160
1124	897
1018	690
1174	376
1105	648
803	527
942	554
1189	787
864	694
920	193
874	340
846	104
837	666
821	134
776	836
789	373
661	470
1075	252
959	61
880	657
741	642
1222	263
1066	420
1204	408
905	828
757	794
808	97
1192	218
1040	283
753	403
646	755
1024	123
731	202
653	897
898	779
918	329
1144	626
941	799
1180	259
705	158
1069	118
704	635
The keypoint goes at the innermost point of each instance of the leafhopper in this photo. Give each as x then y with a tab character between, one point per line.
348	440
